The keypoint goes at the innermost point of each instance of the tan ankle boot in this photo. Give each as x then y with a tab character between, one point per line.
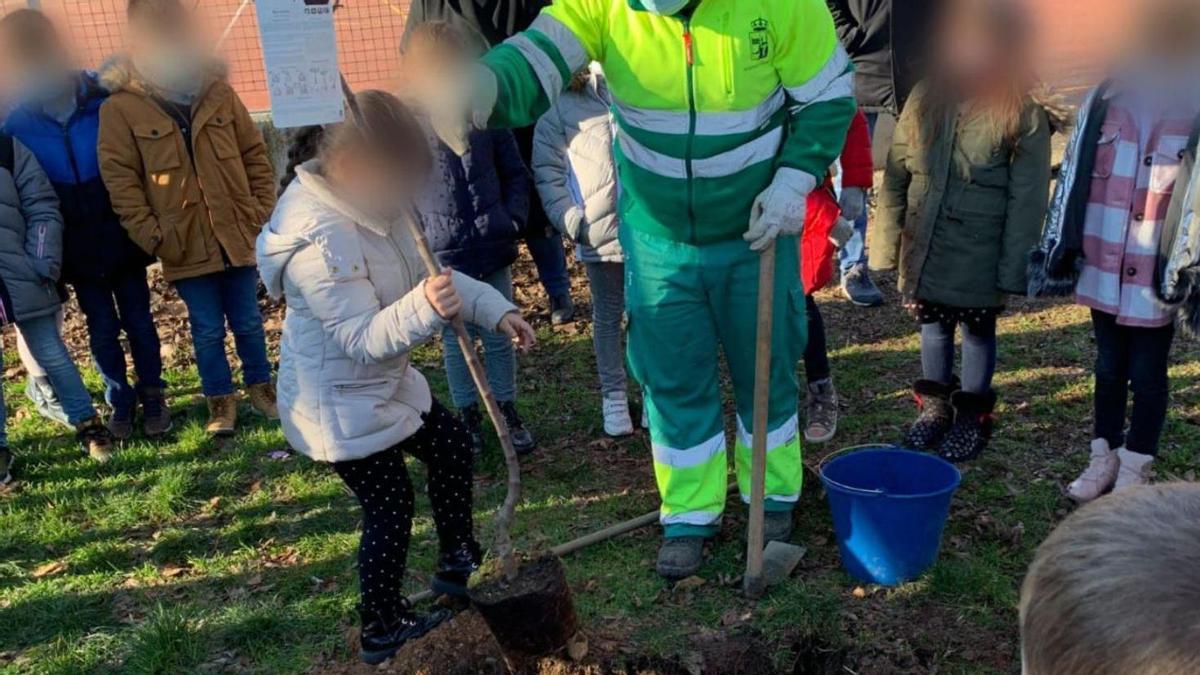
262	399
96	439
222	415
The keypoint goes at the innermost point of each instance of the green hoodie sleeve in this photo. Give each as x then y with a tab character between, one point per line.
533	67
819	80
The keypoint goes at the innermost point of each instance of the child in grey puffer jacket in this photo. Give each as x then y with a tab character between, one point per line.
30	260
577	181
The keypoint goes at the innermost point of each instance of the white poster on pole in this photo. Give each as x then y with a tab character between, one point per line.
299	47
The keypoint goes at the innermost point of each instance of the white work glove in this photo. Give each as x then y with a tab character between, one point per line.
462	106
853	202
779	210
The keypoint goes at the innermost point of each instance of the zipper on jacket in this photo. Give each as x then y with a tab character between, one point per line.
690	54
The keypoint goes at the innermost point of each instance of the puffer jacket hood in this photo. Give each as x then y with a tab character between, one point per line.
574	171
356	307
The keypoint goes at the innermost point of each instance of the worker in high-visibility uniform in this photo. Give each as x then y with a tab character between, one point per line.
728	113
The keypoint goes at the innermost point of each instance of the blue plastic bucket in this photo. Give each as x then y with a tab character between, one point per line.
889	508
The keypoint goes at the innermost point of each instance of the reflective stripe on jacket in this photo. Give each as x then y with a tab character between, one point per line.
707	105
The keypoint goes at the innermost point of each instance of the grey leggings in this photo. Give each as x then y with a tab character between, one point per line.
608	311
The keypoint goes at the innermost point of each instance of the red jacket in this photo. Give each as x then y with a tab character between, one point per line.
816	250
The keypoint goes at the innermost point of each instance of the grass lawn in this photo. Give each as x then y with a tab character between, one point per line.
186	556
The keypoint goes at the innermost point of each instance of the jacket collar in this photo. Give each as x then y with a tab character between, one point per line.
309	175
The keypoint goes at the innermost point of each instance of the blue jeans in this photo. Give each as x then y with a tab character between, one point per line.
230	295
854	251
551	261
111	305
47	347
499	356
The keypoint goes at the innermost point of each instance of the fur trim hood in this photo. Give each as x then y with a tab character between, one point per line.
119	74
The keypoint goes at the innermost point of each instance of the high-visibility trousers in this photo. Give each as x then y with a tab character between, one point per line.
687	305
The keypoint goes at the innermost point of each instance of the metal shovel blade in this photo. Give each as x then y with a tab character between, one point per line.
779	560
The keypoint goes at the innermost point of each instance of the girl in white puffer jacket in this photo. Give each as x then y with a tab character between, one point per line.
358	302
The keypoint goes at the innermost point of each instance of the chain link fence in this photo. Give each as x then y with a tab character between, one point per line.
368	37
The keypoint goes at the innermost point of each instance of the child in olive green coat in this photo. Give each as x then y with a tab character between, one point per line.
961	206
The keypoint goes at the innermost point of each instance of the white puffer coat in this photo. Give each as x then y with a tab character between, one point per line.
356	306
574	171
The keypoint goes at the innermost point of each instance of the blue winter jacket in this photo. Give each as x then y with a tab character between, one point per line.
94	243
477	204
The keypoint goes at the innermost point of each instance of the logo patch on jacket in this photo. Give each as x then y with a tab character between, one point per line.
760	39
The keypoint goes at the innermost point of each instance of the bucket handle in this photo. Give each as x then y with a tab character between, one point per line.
850	488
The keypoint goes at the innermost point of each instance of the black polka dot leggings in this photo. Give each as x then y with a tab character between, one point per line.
382	486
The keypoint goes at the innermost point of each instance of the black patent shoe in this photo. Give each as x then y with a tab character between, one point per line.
383	636
455	569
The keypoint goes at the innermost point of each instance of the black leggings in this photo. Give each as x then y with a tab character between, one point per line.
381	484
1131	359
816	352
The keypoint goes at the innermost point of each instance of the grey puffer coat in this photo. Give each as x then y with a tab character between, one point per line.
574	172
31	230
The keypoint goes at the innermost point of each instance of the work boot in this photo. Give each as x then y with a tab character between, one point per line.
455	569
777	525
472	419
821	412
1100	474
1134	471
972	428
156	414
383	636
120	422
859	289
562	309
680	557
222	415
262	399
617	421
934	415
522	440
96	439
6	464
41	394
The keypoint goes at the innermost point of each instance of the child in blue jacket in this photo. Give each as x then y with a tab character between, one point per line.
473	213
57	117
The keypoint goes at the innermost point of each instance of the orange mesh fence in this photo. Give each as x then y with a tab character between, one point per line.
368	38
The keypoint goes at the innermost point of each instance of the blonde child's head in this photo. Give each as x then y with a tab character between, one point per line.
377	163
980	54
1115	589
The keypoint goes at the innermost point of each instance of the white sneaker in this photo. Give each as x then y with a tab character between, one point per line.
1099	475
616	414
1135	470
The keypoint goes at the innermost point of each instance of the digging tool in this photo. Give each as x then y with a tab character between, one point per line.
764	568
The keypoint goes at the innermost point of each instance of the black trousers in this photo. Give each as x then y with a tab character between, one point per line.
382	486
1131	359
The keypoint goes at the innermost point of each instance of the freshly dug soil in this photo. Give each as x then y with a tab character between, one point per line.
532	615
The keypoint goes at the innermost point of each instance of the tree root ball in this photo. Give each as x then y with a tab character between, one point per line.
531	616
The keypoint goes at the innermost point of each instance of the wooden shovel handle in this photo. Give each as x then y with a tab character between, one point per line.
753	583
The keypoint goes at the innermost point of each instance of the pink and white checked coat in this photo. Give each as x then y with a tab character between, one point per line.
1131	187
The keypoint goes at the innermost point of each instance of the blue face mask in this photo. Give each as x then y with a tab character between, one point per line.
665	7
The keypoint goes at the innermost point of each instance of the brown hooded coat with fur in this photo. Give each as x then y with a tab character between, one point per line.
185	208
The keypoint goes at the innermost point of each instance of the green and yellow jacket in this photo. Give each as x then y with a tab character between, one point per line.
709	104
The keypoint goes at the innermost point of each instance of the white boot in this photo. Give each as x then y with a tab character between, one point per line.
1099	475
616	414
1135	470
